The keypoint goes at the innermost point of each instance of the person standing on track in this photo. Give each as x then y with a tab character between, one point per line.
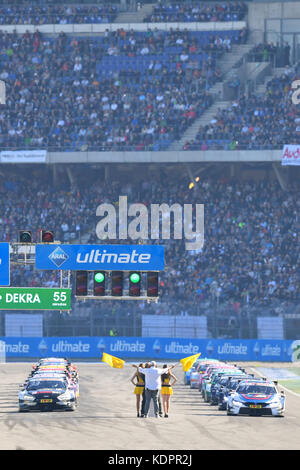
152	385
167	390
139	390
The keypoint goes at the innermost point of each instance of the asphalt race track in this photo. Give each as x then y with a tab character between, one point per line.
106	418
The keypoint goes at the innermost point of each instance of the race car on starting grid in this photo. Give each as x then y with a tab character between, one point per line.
215	382
207	381
47	394
52	384
227	386
256	398
197	370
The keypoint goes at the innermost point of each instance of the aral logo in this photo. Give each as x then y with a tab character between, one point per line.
58	256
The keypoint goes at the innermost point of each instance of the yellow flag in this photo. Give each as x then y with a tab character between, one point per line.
187	362
113	361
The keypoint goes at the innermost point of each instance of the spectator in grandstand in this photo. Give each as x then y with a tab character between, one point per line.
234	85
287	51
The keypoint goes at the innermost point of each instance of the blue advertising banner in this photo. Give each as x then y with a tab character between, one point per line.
4	264
95	257
157	349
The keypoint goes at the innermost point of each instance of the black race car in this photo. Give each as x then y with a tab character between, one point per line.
47	394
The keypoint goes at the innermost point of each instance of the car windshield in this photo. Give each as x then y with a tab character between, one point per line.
235	381
44	377
256	388
234	384
43	384
223	380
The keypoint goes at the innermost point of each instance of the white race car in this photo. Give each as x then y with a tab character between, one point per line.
256	398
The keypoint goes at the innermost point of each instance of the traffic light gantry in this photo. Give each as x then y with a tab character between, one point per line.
110	285
105	284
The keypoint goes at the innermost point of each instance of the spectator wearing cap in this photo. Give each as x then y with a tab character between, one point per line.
153	385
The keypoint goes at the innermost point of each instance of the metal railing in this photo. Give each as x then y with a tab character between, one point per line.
124	319
223	320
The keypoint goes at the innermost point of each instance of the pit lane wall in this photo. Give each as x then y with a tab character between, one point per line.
132	348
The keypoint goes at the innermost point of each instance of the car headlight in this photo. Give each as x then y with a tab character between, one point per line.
28	397
275	402
236	402
65	396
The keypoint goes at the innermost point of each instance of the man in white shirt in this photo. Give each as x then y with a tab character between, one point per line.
152	385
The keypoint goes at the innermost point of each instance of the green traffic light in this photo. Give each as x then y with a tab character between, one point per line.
134	278
25	237
99	277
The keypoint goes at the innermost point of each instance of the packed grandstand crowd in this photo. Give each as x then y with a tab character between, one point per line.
121	91
196	12
39	13
250	255
133	91
255	122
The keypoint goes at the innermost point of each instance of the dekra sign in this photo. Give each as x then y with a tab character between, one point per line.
18	298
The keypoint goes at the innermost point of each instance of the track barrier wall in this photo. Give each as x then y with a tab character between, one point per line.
132	348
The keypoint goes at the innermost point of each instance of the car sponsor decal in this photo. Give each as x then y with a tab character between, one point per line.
255	396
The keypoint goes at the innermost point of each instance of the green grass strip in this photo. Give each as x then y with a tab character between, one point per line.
291	384
296	370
